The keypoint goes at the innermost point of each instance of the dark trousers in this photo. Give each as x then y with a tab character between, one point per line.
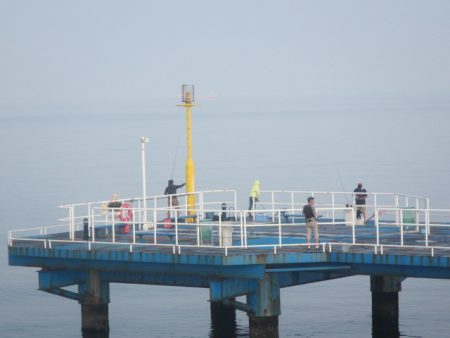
251	202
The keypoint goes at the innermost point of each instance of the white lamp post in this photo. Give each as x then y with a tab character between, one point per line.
144	140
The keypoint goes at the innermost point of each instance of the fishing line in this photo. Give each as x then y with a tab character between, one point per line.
342	185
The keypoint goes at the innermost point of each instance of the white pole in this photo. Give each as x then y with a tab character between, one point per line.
144	140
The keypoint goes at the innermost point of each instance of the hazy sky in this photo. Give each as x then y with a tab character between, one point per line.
108	52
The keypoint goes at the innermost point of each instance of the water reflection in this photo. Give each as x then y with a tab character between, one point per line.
223	322
385	327
95	334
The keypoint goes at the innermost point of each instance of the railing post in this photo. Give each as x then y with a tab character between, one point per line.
417	214
106	218
375	204
292	206
427	225
71	222
134	231
280	241
89	213
401	226
176	228
333	206
139	218
92	227
245	232
112	220
197	225
427	207
113	228
353	229
396	205
377	225
155	222
200	198
273	206
241	226
220	230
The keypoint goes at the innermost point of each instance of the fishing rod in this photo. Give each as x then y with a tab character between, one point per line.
342	186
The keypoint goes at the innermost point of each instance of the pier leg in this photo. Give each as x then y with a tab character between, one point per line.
223	320
94	299
266	305
385	311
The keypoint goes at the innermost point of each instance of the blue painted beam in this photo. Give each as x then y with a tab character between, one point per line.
252	271
230	288
49	279
388	259
287	279
63	293
154	279
399	270
110	253
239	306
245	265
312	268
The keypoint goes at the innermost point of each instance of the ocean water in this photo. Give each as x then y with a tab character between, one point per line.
55	157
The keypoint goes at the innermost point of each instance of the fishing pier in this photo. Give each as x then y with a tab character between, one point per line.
243	258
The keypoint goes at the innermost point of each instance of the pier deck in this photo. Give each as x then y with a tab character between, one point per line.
263	250
236	256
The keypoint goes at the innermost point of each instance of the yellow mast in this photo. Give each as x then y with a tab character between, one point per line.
188	98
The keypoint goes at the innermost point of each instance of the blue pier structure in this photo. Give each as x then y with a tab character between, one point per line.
235	253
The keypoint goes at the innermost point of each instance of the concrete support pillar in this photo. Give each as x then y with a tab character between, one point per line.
265	302
223	320
263	327
385	310
94	299
94	320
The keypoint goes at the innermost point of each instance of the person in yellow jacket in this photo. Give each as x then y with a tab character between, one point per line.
254	195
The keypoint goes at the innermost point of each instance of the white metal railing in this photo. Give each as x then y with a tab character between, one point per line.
273	223
238	231
204	200
289	199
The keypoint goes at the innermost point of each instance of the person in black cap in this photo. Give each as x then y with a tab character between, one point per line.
360	201
309	211
171	190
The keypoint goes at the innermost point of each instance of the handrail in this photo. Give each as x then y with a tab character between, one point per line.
401	213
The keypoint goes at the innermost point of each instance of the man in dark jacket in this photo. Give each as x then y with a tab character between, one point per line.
171	190
360	201
309	211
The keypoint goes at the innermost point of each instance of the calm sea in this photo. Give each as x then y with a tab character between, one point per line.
55	157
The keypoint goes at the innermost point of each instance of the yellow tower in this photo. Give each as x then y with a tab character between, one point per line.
187	97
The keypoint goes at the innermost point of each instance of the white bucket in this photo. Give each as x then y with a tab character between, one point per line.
227	235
